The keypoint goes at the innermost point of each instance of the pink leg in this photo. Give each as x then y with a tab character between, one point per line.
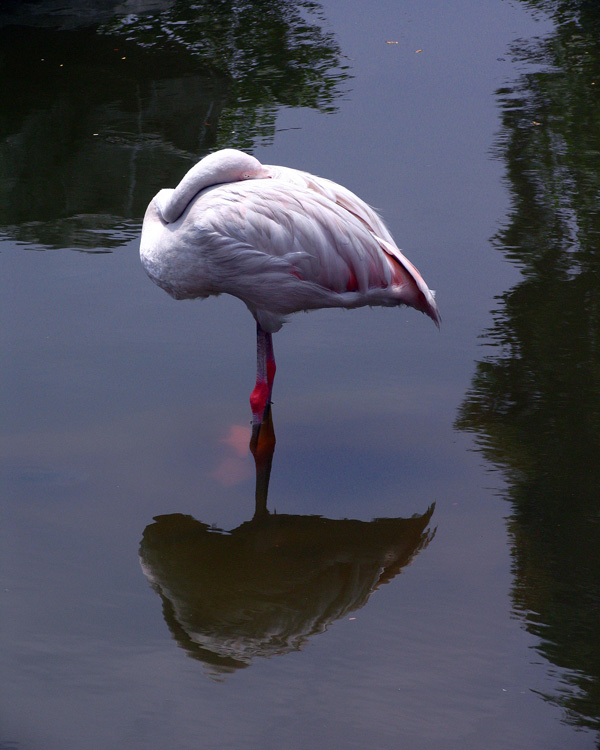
271	366
260	398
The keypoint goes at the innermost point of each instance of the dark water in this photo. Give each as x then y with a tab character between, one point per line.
432	575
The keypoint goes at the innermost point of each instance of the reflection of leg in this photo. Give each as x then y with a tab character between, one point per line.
260	397
262	446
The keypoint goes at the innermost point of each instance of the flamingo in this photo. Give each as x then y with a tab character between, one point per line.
279	239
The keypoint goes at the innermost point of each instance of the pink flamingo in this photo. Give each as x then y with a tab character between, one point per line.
279	239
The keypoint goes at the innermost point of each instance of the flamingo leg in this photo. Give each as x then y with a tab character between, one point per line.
271	366
260	398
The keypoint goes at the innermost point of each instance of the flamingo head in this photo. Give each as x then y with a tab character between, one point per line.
231	165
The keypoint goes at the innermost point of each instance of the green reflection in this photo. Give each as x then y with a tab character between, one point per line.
266	587
535	401
273	54
106	111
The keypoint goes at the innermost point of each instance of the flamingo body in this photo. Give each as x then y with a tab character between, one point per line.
279	239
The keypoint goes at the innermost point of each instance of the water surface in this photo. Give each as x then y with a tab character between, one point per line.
466	616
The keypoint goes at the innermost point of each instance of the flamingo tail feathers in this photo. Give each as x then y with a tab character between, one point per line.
415	291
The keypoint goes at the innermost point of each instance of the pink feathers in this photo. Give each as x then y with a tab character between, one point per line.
280	240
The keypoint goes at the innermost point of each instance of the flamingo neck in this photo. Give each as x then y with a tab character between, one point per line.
227	165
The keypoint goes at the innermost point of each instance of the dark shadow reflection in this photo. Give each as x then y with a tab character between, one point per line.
266	587
108	106
535	401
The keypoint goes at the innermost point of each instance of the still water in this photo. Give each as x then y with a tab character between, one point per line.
429	572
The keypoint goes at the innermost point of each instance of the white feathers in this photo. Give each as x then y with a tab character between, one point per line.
279	239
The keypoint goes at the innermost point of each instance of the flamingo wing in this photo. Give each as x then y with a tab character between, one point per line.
403	270
282	247
336	193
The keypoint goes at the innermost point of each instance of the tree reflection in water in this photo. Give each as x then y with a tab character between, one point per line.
108	111
273	54
266	587
535	402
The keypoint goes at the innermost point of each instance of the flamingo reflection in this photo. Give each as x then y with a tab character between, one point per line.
266	587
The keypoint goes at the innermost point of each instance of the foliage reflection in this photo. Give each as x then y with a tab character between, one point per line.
535	402
107	110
